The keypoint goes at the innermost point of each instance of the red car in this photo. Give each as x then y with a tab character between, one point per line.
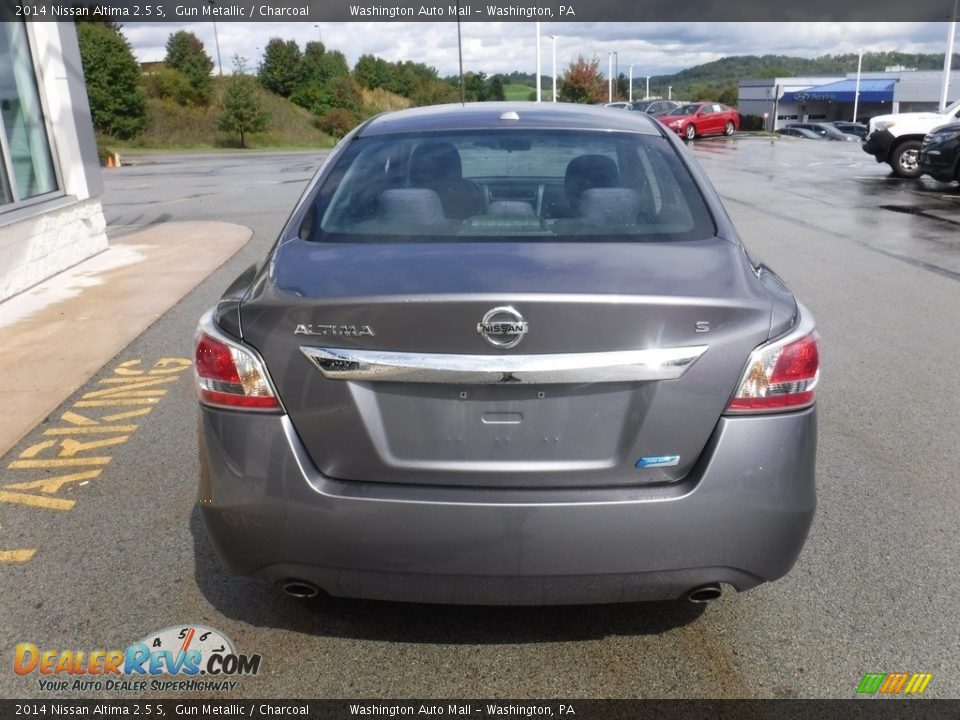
702	118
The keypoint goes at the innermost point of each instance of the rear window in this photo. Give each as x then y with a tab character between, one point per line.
508	185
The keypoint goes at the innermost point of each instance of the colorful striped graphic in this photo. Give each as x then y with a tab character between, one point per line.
894	683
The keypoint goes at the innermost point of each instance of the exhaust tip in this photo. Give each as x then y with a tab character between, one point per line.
300	589
705	594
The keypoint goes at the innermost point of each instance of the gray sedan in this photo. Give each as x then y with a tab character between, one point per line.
508	353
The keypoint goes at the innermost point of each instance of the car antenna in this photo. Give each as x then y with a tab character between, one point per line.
460	53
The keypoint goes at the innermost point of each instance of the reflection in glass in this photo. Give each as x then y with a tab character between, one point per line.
22	118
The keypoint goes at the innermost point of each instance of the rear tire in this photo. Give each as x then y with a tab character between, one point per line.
728	128
691	132
905	159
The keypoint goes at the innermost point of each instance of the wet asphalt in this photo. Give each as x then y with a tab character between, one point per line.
876	259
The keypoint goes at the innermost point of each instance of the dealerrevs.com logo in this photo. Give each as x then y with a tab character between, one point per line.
184	657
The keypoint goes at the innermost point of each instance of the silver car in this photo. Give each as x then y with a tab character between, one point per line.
508	353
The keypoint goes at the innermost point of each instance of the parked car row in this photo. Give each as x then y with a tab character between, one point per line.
840	131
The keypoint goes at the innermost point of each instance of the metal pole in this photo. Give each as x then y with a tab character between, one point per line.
948	59
856	94
216	38
610	77
616	72
539	90
463	100
647	95
631	83
554	95
669	92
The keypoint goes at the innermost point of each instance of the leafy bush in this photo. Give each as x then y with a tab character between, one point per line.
337	122
169	84
751	122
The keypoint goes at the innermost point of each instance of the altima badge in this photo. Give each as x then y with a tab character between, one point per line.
503	327
338	330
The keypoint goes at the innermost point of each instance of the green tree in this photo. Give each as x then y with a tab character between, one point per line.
282	68
581	82
185	54
118	103
372	72
242	109
496	88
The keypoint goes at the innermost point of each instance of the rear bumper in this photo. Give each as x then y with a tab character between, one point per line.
740	517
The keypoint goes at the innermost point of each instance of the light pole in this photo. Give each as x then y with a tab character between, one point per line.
319	36
616	71
216	38
554	96
538	64
631	83
948	59
669	92
610	77
856	92
647	94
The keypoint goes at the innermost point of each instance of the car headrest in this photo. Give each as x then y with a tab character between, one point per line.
410	206
433	163
589	171
609	206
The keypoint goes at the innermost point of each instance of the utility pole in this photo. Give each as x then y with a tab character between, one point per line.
616	71
216	38
539	92
669	92
463	100
554	96
647	95
631	83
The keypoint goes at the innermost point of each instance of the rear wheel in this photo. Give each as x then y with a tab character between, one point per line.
905	159
691	132
728	128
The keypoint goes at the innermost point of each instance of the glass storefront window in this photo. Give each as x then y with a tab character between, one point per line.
21	121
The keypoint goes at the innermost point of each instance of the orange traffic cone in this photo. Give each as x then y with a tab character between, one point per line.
110	163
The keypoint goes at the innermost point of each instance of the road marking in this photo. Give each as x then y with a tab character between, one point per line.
36	500
130	384
86	429
17	556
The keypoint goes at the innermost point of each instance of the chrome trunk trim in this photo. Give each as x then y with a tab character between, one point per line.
566	368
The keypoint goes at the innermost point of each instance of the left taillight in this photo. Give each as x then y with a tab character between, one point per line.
228	374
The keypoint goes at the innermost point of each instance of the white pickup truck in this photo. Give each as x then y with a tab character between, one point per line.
895	139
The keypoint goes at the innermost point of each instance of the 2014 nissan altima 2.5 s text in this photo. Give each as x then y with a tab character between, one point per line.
508	354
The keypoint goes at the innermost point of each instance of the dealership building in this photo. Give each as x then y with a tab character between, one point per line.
784	100
50	185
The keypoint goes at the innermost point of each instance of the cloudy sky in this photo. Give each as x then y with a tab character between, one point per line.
653	48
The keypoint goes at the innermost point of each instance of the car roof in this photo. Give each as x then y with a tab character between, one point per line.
495	116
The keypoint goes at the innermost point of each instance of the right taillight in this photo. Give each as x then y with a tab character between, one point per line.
779	376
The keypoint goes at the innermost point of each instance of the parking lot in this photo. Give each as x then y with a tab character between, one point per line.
876	259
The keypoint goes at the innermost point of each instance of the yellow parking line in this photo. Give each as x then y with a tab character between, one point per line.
58	462
86	429
109	403
127	414
36	501
52	485
16	556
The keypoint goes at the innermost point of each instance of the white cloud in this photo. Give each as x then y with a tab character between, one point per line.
653	48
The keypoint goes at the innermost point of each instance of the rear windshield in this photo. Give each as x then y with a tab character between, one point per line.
508	185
